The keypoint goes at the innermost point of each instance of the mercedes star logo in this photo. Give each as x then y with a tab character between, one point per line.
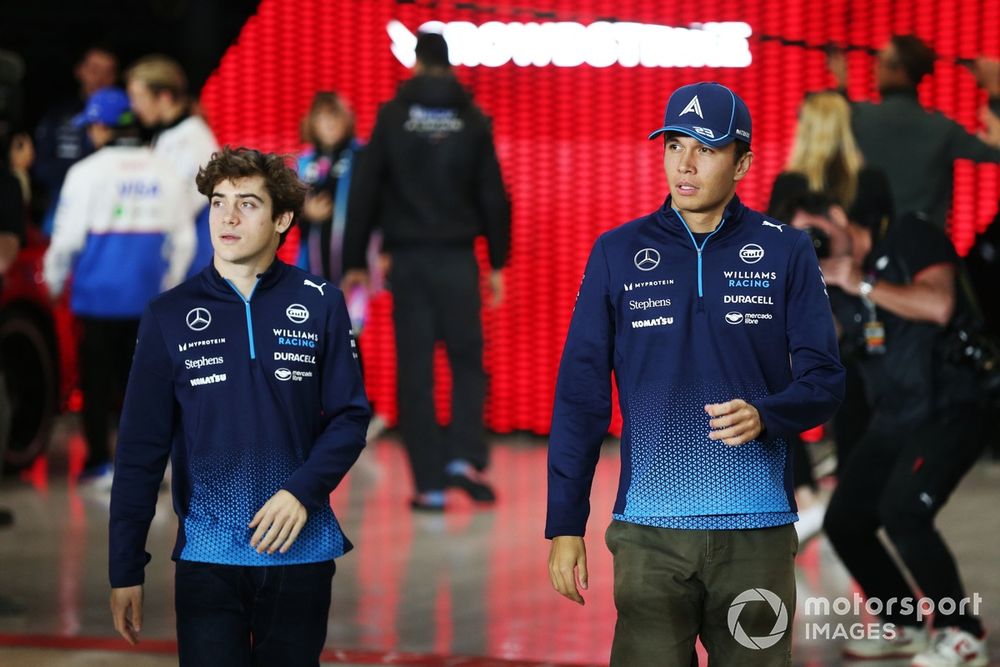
647	259
198	319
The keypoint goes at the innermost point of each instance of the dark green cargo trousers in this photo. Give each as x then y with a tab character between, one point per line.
733	588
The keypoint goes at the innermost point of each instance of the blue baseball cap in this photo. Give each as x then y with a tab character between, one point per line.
709	112
108	106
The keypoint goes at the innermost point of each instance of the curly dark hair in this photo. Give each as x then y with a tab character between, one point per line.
287	192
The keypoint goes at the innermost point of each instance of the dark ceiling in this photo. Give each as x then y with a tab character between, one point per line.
50	35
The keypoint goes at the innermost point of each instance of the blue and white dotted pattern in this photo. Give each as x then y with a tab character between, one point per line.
681	479
226	492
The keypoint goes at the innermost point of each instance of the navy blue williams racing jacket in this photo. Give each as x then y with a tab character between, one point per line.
247	397
683	322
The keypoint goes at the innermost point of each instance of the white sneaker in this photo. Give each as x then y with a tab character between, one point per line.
953	647
810	523
908	642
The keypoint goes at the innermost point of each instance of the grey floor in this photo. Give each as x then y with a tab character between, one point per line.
469	587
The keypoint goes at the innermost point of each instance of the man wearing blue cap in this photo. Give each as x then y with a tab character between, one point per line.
120	230
715	322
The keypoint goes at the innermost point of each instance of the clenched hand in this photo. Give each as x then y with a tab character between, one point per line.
734	422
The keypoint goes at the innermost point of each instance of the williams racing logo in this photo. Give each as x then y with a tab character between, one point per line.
293	338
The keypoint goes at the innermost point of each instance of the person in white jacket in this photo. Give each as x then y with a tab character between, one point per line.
124	230
158	91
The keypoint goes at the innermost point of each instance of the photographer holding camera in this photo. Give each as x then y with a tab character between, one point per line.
898	294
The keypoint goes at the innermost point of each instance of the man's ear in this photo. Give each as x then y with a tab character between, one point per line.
743	166
284	222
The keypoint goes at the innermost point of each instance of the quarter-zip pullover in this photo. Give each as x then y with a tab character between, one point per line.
683	322
247	396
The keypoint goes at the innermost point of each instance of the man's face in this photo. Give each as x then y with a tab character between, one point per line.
330	128
701	178
97	70
241	221
144	103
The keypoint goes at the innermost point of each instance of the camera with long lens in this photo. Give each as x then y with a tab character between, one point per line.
813	203
820	241
979	351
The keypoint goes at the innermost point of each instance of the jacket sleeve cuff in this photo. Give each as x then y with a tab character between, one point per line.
305	492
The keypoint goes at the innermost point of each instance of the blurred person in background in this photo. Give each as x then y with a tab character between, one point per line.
430	180
59	142
124	231
158	91
326	167
12	221
825	159
922	437
914	146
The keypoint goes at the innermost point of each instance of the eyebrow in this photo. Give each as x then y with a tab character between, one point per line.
239	195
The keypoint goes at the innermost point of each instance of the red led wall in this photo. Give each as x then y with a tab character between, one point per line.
572	141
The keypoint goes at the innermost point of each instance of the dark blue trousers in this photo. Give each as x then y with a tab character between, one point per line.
236	616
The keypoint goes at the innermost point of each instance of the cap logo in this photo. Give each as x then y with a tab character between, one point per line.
693	107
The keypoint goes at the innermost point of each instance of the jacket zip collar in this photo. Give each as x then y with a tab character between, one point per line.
214	281
674	223
226	289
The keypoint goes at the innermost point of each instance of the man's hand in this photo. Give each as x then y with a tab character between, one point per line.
987	73
278	523
734	422
352	279
991	127
567	564
842	272
497	287
126	612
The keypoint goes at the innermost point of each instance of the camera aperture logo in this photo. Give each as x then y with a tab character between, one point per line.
756	596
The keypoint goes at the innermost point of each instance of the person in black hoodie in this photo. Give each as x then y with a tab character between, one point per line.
430	180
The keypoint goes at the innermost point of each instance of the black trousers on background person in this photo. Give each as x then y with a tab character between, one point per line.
899	481
106	350
435	293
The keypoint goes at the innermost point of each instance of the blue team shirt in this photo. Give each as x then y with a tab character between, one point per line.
246	396
682	322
